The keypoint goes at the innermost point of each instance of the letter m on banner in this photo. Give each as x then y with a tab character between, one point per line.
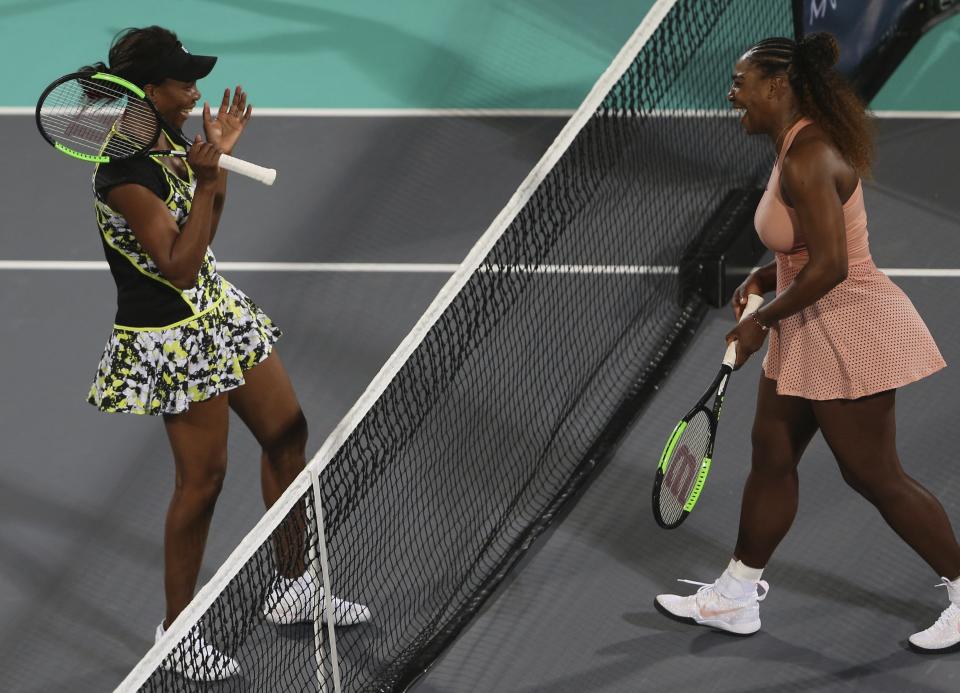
818	9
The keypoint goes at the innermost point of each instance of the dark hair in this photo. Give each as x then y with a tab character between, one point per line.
137	55
824	94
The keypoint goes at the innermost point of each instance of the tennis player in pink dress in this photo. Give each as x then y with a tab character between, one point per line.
843	337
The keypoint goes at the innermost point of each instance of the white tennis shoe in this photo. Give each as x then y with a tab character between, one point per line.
197	660
728	604
944	635
292	601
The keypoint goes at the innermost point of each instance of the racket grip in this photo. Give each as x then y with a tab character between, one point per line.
245	168
754	301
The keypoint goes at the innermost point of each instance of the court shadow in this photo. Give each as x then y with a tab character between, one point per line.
821	585
835	673
680	642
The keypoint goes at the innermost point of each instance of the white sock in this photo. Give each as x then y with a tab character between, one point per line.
732	586
743	572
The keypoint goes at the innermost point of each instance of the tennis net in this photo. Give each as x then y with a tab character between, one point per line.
515	384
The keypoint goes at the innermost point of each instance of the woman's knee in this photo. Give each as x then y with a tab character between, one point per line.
289	441
203	479
772	455
875	482
782	428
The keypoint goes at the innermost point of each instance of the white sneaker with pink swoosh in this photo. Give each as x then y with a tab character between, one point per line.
944	635
728	604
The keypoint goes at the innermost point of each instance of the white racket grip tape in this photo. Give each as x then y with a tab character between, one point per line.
245	168
754	302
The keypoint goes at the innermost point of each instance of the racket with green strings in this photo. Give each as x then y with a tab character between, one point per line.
99	117
686	458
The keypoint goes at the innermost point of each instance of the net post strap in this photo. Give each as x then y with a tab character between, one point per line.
313	556
327	605
191	615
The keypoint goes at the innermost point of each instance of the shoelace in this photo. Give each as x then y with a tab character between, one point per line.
944	583
703	585
761	593
948	613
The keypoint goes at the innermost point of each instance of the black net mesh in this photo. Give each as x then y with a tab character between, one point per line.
502	408
97	118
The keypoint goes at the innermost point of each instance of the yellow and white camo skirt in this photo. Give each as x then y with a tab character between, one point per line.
162	370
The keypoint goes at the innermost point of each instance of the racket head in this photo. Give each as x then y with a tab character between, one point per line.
683	467
97	117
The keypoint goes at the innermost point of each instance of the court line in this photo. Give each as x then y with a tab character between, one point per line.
487	113
924	115
356	267
418	268
531	112
97	265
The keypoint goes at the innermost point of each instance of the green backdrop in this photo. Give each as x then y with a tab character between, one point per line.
392	53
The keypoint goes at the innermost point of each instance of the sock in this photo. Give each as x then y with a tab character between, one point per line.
734	584
741	571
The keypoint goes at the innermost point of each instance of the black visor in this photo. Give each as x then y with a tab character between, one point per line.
184	66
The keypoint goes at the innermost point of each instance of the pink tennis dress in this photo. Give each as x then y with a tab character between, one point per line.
862	337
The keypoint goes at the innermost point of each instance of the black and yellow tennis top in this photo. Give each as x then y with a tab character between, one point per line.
145	298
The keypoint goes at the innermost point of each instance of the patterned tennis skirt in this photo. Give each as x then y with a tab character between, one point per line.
163	371
863	337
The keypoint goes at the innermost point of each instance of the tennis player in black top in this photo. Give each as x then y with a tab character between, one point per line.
188	345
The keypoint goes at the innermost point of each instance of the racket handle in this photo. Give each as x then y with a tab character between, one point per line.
754	301
245	168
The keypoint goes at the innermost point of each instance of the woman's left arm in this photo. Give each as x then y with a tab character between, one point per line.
810	175
224	131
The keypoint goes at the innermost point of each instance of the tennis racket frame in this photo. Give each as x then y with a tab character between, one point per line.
226	162
717	390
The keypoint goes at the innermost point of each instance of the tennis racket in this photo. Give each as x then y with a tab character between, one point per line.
686	458
99	117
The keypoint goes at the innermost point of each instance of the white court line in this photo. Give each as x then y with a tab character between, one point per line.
919	272
358	267
373	112
417	268
416	112
485	113
87	265
931	115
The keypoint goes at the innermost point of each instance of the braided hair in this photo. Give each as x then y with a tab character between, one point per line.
822	92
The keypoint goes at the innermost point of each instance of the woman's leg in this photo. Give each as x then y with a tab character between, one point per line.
268	405
782	428
198	438
862	435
